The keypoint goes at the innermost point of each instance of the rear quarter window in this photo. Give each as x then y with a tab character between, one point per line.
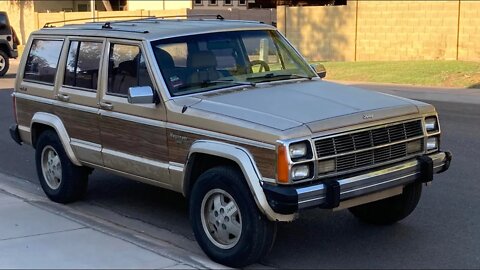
42	61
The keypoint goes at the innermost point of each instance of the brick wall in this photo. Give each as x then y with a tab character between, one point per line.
385	30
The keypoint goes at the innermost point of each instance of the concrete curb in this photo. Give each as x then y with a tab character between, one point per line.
184	259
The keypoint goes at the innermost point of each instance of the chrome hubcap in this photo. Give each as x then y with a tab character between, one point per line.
2	63
51	167
221	218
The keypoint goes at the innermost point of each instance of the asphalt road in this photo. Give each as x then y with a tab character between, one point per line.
443	232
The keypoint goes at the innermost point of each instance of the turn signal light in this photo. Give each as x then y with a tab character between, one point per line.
282	165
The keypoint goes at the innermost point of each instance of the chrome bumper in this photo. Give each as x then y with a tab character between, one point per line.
328	194
371	182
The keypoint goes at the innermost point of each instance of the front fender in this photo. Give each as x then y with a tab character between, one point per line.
245	161
56	123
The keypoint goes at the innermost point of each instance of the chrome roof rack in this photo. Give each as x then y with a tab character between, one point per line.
108	24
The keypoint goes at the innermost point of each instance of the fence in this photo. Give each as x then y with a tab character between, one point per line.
385	30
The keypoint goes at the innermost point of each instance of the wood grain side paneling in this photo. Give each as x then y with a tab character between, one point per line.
179	144
134	138
79	124
26	109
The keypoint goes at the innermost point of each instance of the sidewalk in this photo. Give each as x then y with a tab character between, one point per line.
34	235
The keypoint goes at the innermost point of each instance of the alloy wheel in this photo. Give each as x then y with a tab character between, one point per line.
221	218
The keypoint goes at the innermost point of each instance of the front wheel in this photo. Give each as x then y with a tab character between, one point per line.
4	63
226	221
390	210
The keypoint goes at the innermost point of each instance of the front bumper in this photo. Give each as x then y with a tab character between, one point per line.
329	193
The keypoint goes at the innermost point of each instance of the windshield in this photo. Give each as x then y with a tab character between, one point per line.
205	62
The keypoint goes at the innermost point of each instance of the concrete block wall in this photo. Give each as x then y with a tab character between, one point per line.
407	30
320	33
469	34
385	30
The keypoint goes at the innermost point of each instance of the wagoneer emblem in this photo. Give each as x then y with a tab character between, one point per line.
178	139
368	116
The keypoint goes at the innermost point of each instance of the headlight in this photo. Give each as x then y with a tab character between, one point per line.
432	143
431	124
298	150
300	172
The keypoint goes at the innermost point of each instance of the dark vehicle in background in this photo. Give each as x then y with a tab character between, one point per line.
8	43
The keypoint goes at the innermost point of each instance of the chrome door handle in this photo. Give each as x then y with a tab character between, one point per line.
63	97
106	106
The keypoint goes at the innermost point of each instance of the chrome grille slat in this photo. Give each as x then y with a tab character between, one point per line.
370	147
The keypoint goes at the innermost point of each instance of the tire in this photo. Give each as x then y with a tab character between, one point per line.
61	180
4	63
390	210
245	244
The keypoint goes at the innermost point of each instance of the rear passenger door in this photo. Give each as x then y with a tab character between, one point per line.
133	135
78	96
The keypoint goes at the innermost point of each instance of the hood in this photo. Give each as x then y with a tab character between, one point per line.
289	105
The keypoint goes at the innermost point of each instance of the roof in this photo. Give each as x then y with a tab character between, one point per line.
152	28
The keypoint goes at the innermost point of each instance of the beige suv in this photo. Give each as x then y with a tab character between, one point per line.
227	113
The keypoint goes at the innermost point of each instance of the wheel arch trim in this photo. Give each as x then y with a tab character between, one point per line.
56	123
245	161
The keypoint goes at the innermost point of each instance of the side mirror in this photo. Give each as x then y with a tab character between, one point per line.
141	95
320	70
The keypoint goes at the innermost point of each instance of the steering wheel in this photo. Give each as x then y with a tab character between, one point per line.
263	65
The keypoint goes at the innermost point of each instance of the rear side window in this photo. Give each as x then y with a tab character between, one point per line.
83	64
127	68
42	60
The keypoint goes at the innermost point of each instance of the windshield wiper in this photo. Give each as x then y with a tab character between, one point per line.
272	75
207	83
231	81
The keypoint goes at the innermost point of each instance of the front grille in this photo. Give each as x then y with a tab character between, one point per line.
370	147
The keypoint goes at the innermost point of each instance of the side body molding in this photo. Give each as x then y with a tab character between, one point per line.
56	123
244	159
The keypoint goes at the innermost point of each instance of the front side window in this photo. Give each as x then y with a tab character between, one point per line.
127	68
82	65
200	63
42	61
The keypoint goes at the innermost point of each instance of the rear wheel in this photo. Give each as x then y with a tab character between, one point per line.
61	180
4	63
390	210
226	221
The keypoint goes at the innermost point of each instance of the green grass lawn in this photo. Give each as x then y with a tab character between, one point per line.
427	73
